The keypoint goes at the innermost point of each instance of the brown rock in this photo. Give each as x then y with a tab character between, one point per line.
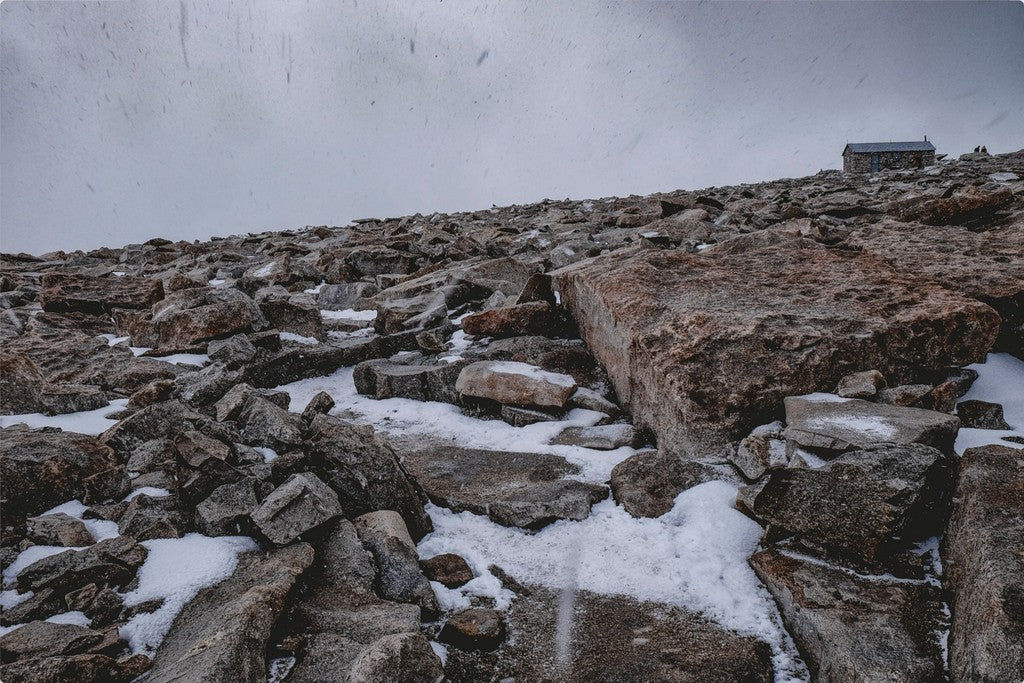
474	629
449	569
59	529
861	384
702	365
970	205
43	639
191	326
646	484
981	415
852	629
535	317
96	295
984	566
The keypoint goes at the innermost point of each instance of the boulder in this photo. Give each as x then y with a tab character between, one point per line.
290	314
509	382
41	469
646	484
74	669
43	639
113	562
301	503
64	292
399	577
966	207
194	448
854	629
701	366
227	509
58	529
222	633
861	507
191	326
819	421
205	386
149	517
20	385
343	296
525	490
233	351
365	472
405	657
320	404
983	559
534	317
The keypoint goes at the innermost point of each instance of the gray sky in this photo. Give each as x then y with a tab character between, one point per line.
122	121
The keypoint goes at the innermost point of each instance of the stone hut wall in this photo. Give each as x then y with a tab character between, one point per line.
861	162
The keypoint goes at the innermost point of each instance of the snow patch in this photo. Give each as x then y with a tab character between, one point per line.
509	367
151	491
1000	380
874	427
349	314
298	338
90	422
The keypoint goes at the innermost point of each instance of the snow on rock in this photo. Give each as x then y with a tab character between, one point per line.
349	314
27	557
89	422
1000	380
175	570
151	491
694	556
299	339
100	529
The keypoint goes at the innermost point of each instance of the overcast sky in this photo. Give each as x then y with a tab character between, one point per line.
123	121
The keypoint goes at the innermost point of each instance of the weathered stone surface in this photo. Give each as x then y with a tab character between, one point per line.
862	506
232	351
191	326
524	490
474	629
203	387
301	503
965	207
226	509
853	629
598	437
294	314
43	639
864	384
764	449
535	317
342	617
20	385
58	529
983	560
149	517
266	423
985	266
649	642
74	669
520	417
195	448
399	577
113	561
339	297
817	421
74	292
405	657
41	469
981	415
589	399
162	420
365	472
222	633
646	484
906	395
448	569
703	365
514	383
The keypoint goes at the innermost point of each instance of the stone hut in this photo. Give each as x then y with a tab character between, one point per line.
871	157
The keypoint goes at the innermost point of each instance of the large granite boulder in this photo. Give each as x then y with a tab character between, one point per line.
701	365
222	633
852	629
984	566
863	506
64	292
44	468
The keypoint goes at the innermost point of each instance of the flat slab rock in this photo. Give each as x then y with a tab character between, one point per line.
526	490
222	633
75	292
701	365
852	629
612	639
826	422
513	383
984	565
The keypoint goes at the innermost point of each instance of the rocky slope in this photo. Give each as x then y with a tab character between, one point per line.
520	443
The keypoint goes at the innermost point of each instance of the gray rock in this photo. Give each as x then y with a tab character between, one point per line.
387	379
764	449
366	473
852	423
591	400
509	382
58	529
861	384
984	566
863	506
905	395
405	657
981	415
233	351
97	295
236	617
320	404
205	386
113	561
345	295
301	503
399	577
147	518
43	639
853	629
520	417
599	437
41	605
646	484
80	667
226	510
525	490
163	420
267	424
194	448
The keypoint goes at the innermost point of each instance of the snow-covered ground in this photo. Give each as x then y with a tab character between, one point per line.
1000	380
91	422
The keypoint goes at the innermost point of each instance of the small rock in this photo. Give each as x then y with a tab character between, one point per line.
474	629
600	437
589	399
301	503
449	569
646	484
535	317
195	448
764	449
861	384
981	415
148	518
227	508
521	417
320	404
906	395
399	577
233	351
405	657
